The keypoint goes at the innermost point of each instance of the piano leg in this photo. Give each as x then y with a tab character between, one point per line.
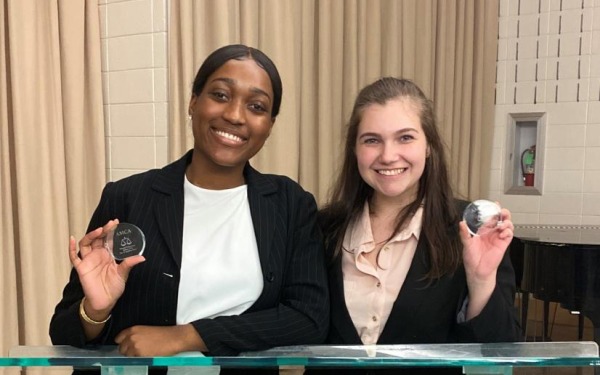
545	336
580	328
524	308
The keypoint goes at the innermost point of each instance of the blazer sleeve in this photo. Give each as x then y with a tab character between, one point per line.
65	325
498	321
300	312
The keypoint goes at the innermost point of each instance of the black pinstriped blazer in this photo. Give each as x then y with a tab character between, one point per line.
293	307
426	313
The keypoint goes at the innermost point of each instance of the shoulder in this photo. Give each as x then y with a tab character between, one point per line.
274	184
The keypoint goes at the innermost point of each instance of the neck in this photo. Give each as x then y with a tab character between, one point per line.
214	177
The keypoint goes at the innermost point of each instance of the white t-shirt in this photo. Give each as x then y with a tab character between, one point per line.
220	267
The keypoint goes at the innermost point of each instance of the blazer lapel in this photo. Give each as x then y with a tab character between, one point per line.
263	212
168	211
340	317
411	296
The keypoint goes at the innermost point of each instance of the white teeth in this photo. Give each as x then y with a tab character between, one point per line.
391	172
229	136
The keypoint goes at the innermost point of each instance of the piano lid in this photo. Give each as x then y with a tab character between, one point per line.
559	234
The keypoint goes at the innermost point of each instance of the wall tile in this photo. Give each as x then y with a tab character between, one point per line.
104	57
162	154
526	92
160	85
563	181
500	93
497	160
555	5
591	204
588	19
132	120
133	152
159	14
584	66
570	44
595	65
528	25
595	42
503	8
568	90
130	52
592	158
160	50
503	28
529	7
571	20
512	47
560	219
524	219
551	91
568	67
567	113
565	135
512	26
496	182
128	18
501	71
571	4
130	86
106	111
596	19
591	182
513	8
119	174
594	112
528	47
590	220
502	50
561	203
561	158
554	20
526	70
553	45
524	204
592	135
161	119
105	87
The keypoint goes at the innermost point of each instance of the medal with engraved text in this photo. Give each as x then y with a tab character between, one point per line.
125	240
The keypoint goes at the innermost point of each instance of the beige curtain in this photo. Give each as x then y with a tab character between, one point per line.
52	146
326	51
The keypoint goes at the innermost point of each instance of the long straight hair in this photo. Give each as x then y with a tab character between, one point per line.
350	191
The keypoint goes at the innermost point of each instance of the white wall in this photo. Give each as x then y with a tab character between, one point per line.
134	66
549	61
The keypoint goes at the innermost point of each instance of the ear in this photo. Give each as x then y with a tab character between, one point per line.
193	100
428	151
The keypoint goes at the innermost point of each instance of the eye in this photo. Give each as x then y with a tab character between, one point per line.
370	141
406	138
219	96
258	107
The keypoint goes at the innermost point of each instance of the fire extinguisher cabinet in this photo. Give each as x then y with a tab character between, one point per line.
524	157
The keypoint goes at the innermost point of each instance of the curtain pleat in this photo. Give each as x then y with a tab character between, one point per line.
52	166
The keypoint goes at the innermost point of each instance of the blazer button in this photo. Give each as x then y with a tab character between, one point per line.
270	277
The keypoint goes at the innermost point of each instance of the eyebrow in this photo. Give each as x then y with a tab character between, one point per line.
254	90
397	132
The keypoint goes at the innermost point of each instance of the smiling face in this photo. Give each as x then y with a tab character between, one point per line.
231	117
391	150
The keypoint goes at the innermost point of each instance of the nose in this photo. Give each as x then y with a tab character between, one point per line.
234	112
389	153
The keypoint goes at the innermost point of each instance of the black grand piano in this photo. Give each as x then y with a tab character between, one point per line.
559	263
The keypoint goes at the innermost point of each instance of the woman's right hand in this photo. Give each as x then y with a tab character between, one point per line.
102	279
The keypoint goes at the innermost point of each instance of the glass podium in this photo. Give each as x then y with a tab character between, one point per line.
497	358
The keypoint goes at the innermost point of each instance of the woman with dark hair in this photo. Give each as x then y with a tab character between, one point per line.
404	268
234	258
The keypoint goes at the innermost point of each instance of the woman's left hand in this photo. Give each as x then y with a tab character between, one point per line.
159	341
482	255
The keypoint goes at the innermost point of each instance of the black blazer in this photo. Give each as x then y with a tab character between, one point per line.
426	314
293	307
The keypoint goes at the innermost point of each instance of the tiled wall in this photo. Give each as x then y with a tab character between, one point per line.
134	68
549	61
